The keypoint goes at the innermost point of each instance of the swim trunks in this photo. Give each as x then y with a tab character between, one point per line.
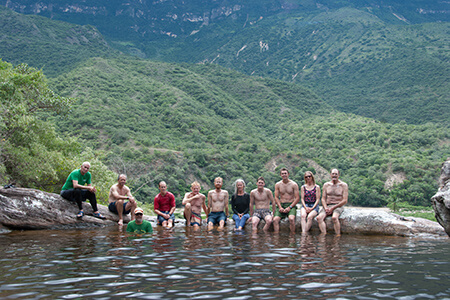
292	212
262	213
196	217
339	210
216	216
113	208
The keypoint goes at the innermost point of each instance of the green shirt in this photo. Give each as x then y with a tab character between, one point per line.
145	227
76	175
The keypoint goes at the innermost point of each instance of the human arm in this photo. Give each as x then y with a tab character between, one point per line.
271	200
296	198
173	204
226	203
317	197
252	202
277	199
302	199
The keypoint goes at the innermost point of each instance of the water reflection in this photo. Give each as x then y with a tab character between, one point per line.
187	264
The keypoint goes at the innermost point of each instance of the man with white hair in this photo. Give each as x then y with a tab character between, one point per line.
78	188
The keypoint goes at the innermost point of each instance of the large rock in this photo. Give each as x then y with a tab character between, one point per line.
441	201
32	209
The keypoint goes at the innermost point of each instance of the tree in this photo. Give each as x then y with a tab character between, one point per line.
31	154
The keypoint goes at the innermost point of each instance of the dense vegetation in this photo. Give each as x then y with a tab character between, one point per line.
196	122
379	60
181	122
31	153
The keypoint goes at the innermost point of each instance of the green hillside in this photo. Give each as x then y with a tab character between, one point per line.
54	47
388	61
180	123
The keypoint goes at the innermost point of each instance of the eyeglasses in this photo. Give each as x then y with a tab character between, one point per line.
138	214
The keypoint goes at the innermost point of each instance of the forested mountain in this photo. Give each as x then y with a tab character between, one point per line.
387	60
185	122
179	123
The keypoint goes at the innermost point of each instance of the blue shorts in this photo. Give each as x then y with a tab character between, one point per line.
112	208
216	217
161	219
311	205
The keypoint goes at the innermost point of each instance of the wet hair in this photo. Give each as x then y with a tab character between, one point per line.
118	177
195	183
312	176
284	169
235	185
261	178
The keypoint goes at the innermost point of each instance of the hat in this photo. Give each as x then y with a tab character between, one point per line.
138	211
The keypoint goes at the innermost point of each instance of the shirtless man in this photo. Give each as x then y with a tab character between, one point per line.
286	197
118	193
193	203
334	197
261	198
217	203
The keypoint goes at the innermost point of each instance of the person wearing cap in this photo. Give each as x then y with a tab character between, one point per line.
164	206
139	225
118	194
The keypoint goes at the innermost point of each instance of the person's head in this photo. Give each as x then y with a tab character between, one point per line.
218	182
334	174
162	187
260	182
85	167
239	186
139	214
284	173
309	177
195	187
122	179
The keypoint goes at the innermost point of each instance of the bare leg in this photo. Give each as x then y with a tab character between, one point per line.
268	220
321	220
119	207
310	220
131	206
187	214
292	223
336	224
276	224
255	222
170	223
303	219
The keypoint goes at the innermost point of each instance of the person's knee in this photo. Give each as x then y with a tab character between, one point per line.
119	202
335	219
187	207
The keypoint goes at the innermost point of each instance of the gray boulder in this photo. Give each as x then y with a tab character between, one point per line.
441	200
33	209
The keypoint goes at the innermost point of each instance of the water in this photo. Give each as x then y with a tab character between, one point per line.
107	264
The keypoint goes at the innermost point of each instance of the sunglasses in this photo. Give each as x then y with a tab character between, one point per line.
138	214
308	176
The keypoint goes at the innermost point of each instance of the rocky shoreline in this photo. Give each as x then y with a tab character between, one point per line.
29	209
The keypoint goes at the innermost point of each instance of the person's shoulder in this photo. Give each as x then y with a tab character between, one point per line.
293	182
343	183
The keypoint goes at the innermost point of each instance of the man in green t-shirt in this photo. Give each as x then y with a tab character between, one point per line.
139	225
78	188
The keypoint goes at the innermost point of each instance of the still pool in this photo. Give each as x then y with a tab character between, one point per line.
108	264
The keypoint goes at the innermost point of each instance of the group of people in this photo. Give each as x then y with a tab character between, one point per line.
255	206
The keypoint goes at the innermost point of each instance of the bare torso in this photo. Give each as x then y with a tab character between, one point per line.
116	188
217	200
197	202
286	191
262	199
334	192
